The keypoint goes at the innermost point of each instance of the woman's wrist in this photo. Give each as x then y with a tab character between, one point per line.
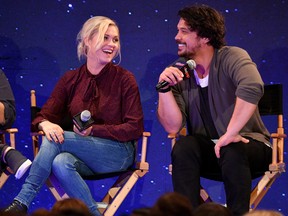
40	125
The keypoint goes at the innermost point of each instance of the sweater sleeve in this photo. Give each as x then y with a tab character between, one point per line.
7	98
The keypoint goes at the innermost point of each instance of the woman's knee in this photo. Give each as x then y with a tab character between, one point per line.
46	143
62	162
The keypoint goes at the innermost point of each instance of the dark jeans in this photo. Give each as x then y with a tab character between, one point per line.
193	157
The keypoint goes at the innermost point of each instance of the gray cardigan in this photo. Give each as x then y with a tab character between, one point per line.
232	74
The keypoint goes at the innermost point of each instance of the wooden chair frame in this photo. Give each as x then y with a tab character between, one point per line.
275	168
3	136
119	190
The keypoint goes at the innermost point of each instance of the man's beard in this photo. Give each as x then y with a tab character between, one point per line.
186	55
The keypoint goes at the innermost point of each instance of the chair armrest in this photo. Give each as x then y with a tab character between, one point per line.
144	145
38	133
143	165
11	132
35	140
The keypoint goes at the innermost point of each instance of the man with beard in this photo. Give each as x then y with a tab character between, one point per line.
226	138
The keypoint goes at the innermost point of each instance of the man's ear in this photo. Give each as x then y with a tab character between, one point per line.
206	40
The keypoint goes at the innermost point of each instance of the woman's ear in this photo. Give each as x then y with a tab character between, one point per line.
86	45
86	41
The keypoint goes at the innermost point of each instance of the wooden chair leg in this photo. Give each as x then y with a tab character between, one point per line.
121	193
262	188
204	196
3	178
56	189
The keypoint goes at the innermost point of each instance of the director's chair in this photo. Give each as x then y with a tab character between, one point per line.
125	179
3	137
271	104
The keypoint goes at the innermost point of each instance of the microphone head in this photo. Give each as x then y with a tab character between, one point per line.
191	64
85	116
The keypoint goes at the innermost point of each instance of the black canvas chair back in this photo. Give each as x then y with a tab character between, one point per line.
272	101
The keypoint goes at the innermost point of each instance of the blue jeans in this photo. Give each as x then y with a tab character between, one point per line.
76	156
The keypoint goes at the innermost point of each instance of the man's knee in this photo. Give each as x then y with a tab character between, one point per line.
234	153
186	147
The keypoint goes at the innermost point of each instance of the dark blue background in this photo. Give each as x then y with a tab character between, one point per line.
38	44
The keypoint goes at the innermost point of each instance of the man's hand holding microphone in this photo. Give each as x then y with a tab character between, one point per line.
175	73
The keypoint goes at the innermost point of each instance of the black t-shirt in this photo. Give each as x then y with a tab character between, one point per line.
206	114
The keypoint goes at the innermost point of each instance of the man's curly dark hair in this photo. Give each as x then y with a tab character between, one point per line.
206	22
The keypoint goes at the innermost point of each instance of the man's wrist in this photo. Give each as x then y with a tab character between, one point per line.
164	90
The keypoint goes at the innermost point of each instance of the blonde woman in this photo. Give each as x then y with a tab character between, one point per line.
111	94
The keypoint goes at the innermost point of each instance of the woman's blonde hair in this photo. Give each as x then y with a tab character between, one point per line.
94	25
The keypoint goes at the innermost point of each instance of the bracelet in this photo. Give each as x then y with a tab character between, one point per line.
164	90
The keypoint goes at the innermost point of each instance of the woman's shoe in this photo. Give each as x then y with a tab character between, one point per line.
16	207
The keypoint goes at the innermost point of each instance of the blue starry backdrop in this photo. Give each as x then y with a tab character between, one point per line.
38	44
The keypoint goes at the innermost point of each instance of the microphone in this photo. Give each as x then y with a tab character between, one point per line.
85	116
83	120
190	65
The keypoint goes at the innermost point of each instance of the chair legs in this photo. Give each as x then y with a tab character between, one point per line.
204	196
3	179
262	188
56	189
119	191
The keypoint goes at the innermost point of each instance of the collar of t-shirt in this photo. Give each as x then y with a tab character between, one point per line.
201	82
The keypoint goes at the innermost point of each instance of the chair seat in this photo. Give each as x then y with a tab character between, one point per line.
108	175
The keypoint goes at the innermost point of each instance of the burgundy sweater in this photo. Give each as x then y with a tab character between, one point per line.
112	97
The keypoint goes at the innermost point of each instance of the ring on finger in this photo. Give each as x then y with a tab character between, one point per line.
52	133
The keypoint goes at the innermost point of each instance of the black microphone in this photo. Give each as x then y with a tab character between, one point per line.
190	65
83	120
